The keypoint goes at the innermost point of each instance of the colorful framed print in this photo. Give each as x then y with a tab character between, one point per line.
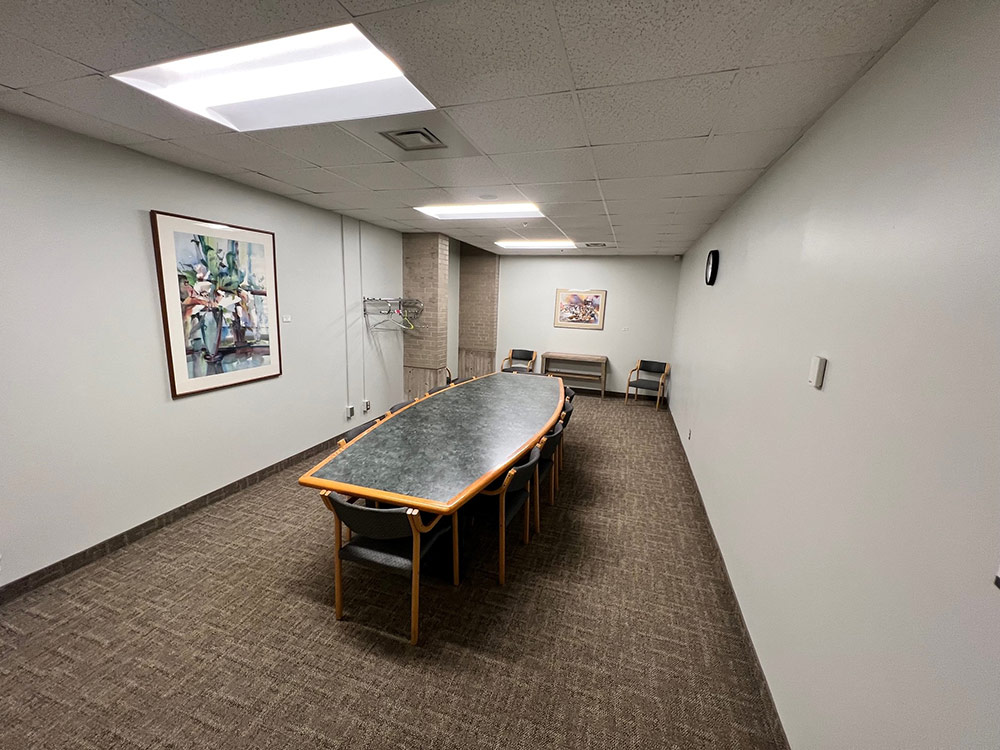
577	308
219	298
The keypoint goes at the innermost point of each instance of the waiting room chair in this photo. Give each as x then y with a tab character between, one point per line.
514	494
354	432
643	368
395	539
439	388
396	407
570	393
519	360
464	380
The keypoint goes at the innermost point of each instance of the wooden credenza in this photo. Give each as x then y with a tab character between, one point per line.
590	367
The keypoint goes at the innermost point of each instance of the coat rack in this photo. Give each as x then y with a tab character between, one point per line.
393	313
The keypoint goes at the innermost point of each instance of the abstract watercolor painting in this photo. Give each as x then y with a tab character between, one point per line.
577	308
219	301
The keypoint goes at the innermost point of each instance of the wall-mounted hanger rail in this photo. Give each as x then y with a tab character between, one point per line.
393	313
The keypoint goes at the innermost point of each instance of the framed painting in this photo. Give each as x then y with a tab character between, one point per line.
576	308
219	298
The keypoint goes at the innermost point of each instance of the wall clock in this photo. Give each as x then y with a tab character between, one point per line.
711	267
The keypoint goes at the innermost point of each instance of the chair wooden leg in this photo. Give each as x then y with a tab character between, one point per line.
552	485
503	538
454	548
415	591
626	394
527	513
338	594
538	503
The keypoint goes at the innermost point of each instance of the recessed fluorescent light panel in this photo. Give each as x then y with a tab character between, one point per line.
536	244
319	76
483	211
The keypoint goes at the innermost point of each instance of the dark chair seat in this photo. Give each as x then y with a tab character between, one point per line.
515	368
395	555
653	385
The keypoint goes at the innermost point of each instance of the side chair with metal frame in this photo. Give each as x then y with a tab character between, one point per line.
395	539
658	384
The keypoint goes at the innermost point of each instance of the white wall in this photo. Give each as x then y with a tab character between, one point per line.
861	523
92	442
642	292
382	276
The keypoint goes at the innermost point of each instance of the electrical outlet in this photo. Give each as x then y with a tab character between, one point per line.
689	434
367	406
625	329
350	412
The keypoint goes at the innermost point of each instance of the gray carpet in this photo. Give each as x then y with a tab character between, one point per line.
617	627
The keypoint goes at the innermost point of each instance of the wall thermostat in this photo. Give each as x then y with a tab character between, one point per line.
817	369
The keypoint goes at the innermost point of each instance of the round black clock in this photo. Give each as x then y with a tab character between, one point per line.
711	267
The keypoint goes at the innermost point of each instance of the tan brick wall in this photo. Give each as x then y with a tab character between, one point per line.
479	285
425	277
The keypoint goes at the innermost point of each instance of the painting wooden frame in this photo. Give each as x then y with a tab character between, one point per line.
219	301
580	308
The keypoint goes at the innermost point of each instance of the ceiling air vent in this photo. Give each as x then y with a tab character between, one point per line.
414	139
595	244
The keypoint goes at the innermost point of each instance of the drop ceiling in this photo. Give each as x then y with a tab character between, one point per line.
634	124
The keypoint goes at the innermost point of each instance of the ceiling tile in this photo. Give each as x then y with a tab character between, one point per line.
172	152
382	176
263	182
643	40
646	221
706	216
314	179
661	206
791	95
582	222
565	165
320	200
561	192
528	124
371	129
419	197
362	199
325	145
26	105
809	29
119	103
465	171
675	186
656	110
464	51
243	151
361	7
503	194
111	35
746	150
704	203
676	156
573	210
221	22
24	64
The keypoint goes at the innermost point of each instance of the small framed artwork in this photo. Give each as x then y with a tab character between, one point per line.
219	298
576	308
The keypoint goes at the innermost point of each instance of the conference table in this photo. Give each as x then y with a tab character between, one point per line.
441	450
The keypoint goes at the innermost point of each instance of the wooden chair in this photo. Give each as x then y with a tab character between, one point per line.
546	468
641	369
514	494
519	360
395	539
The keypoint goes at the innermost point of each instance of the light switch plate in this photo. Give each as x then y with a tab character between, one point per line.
817	370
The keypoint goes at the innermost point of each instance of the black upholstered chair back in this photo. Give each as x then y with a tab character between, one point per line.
401	404
522	354
568	412
552	441
353	433
646	365
524	471
376	523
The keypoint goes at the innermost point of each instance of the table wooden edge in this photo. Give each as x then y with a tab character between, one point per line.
423	503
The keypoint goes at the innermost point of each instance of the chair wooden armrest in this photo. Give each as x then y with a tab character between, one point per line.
630	372
505	361
419	527
531	362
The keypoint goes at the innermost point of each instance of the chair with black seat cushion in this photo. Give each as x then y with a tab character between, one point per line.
400	405
353	433
439	388
463	380
648	375
394	539
519	360
514	495
546	469
567	414
570	393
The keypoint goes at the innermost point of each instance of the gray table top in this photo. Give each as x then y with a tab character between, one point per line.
440	451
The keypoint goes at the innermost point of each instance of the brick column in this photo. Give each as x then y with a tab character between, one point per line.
477	325
425	277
